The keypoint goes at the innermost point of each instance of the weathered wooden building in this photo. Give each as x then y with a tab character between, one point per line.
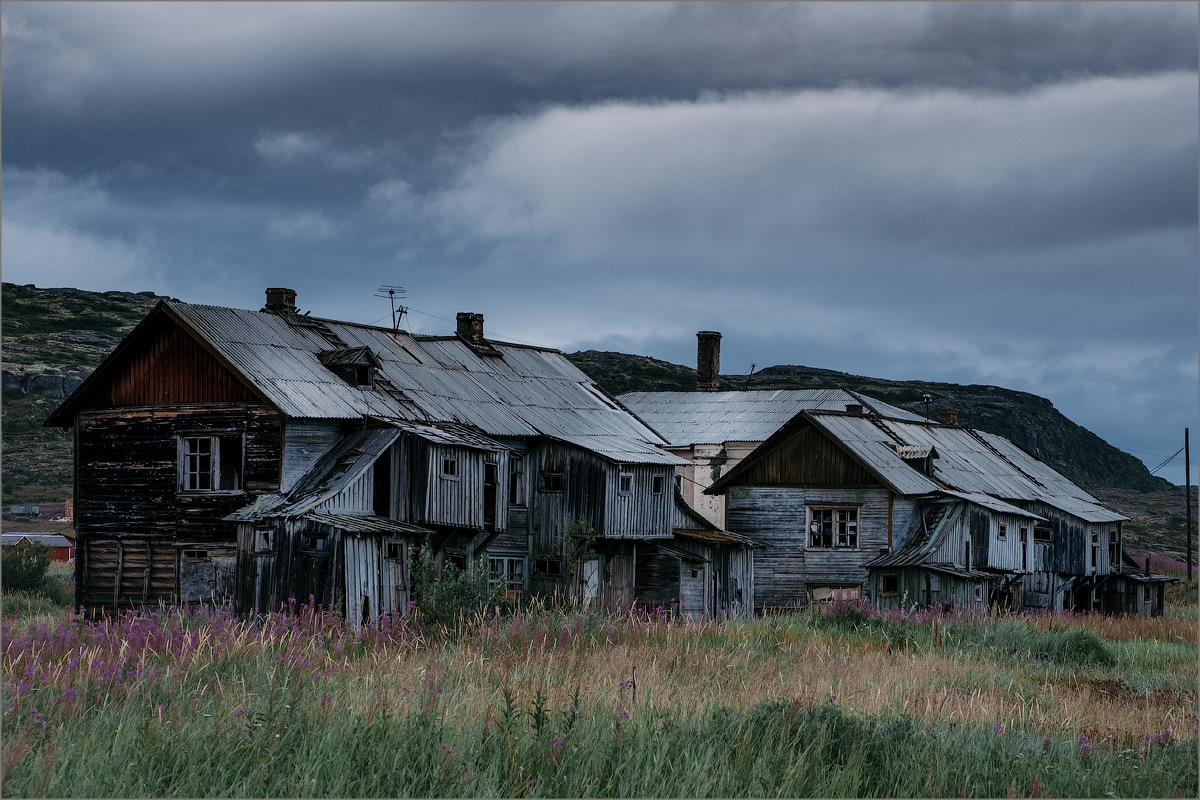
916	512
251	457
714	430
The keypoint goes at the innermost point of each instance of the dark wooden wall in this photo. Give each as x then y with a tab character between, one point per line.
807	457
169	367
127	470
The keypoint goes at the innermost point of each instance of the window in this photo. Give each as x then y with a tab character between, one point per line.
1146	592
625	483
1114	544
449	467
393	550
1024	548
1003	533
506	572
210	463
264	539
1041	534
679	483
552	482
890	584
516	481
657	484
833	527
548	566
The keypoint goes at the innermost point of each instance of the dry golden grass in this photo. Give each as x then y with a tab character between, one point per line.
677	671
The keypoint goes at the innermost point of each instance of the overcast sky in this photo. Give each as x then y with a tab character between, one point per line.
978	193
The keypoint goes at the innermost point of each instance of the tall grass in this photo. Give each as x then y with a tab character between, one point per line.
808	704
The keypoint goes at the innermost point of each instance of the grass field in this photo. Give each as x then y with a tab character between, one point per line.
556	702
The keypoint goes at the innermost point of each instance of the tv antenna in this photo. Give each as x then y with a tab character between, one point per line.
398	311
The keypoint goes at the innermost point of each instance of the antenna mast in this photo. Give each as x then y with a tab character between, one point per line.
398	311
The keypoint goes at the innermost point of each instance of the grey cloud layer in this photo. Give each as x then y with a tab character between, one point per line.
977	192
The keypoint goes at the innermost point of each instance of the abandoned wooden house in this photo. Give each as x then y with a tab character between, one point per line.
714	430
918	513
250	457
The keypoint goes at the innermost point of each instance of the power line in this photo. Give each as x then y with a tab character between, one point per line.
1168	461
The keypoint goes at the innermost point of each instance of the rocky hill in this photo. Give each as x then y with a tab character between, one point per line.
53	338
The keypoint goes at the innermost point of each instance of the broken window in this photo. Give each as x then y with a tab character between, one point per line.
552	482
506	572
210	463
833	527
657	485
1003	532
393	550
625	483
548	566
516	481
890	584
1041	534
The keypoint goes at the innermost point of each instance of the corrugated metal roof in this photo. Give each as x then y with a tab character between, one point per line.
527	391
689	418
623	451
367	523
987	501
968	461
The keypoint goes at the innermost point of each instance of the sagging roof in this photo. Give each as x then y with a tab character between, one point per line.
623	450
520	391
690	418
970	462
367	523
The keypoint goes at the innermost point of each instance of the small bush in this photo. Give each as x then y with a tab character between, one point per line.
24	567
454	593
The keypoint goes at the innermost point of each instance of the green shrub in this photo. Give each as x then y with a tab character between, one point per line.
444	597
24	566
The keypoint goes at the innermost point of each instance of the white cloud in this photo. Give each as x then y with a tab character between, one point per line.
49	255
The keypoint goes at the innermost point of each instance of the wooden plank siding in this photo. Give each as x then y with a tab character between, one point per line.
170	367
126	572
641	512
785	567
917	586
807	457
304	442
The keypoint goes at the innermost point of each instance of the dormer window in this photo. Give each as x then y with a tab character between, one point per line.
355	365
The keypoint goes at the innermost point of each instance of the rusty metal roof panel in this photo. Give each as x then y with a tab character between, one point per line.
688	418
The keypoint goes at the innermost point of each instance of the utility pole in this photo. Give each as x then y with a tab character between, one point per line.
1187	495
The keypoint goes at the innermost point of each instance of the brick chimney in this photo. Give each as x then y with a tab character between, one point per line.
708	361
949	416
279	300
470	327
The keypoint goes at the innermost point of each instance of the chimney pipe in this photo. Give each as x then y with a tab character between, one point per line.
470	327
708	361
949	416
279	300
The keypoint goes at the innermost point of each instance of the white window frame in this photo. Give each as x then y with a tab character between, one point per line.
842	529
190	463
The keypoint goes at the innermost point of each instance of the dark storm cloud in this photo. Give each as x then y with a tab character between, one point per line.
976	192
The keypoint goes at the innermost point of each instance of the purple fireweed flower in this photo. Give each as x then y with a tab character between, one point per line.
1046	741
1085	748
239	712
997	729
557	742
573	709
624	714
